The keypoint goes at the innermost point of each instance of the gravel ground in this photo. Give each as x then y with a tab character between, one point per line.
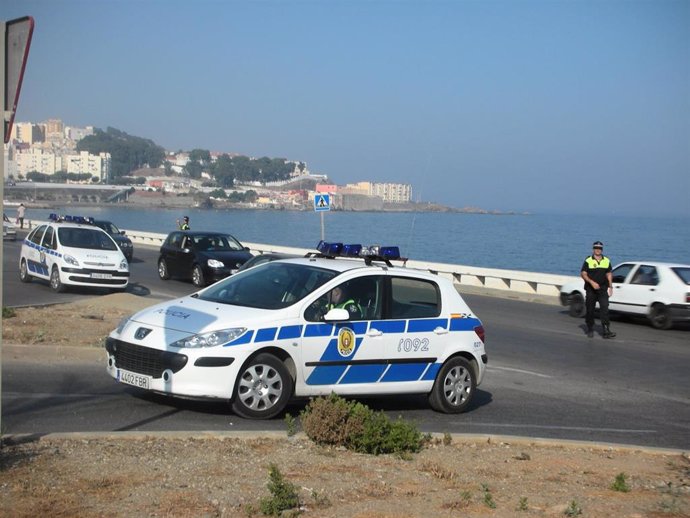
138	475
129	474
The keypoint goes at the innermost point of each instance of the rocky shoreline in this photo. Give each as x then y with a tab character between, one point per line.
61	196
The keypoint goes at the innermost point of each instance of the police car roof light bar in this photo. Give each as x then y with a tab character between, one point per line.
329	249
368	253
85	220
351	250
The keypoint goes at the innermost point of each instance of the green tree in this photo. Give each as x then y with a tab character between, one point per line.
127	152
223	170
193	169
202	156
35	176
218	193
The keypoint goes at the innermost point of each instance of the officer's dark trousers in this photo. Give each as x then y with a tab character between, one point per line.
591	298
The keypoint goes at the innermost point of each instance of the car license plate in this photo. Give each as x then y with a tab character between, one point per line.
134	379
101	276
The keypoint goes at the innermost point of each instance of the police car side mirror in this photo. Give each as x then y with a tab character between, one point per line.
122	232
337	315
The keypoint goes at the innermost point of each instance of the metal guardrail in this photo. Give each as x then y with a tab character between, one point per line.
533	283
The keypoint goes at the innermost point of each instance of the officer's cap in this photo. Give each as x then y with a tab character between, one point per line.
597	244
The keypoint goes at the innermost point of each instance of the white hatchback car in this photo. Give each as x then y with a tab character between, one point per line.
277	330
9	231
71	251
659	291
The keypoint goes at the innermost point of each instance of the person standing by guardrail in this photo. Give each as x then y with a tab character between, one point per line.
185	223
21	210
596	272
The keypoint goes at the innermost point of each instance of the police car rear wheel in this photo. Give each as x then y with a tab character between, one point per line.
263	388
454	387
24	272
55	282
198	276
163	270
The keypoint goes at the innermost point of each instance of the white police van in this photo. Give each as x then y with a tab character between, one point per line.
343	320
72	251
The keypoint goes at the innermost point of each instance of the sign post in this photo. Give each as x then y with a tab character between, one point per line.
15	40
322	203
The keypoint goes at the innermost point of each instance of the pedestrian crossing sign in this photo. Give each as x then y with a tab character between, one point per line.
322	202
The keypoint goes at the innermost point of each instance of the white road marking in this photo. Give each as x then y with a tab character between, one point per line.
510	369
569	428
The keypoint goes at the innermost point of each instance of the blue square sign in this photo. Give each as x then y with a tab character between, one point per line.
322	202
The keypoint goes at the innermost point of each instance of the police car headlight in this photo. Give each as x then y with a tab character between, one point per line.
121	326
210	339
213	263
124	265
70	260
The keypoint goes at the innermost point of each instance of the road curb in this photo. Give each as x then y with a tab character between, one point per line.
498	440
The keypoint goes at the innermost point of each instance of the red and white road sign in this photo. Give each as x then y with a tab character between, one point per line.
17	42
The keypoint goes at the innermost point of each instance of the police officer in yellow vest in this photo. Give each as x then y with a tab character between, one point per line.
338	300
184	225
596	272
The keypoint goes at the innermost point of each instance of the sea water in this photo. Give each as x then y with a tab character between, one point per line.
549	243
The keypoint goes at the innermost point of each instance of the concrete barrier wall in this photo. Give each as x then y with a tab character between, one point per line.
532	283
511	280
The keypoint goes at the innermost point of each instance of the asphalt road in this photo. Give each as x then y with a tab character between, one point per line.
545	379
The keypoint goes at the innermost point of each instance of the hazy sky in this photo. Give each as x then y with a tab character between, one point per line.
513	105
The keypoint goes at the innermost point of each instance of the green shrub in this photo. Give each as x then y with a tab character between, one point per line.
334	421
8	312
284	494
621	483
291	425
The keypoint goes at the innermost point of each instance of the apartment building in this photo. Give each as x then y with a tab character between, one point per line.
27	133
95	165
392	192
39	160
49	162
388	192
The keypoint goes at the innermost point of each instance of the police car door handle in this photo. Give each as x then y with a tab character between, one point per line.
374	332
440	331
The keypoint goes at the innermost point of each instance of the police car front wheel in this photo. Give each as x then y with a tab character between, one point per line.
263	388
55	281
454	387
24	272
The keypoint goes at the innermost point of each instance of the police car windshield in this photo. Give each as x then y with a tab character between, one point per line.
273	285
89	238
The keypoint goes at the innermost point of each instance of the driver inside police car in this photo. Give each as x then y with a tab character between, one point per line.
339	299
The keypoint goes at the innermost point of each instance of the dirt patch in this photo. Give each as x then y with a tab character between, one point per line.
86	323
202	475
225	476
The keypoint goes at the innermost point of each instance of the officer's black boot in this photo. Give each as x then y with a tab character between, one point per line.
607	332
590	332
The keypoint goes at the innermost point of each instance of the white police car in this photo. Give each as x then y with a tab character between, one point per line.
71	251
344	320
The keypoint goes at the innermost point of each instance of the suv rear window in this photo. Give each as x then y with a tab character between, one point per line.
683	273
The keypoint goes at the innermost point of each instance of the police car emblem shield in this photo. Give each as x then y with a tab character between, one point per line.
141	333
346	342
